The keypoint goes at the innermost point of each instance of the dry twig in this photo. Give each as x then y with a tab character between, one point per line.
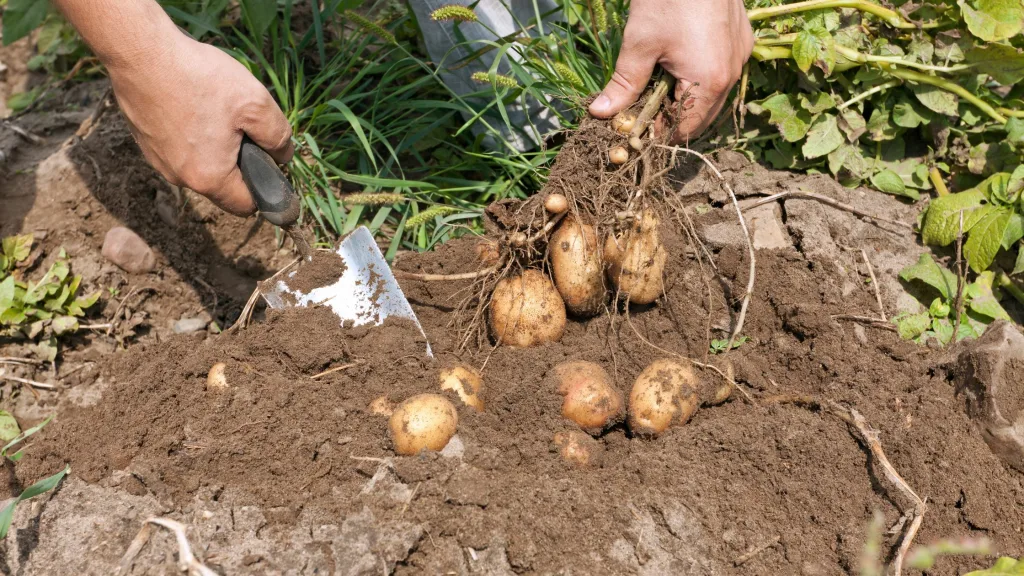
867	320
32	383
187	562
335	369
444	277
750	244
825	200
874	284
747	556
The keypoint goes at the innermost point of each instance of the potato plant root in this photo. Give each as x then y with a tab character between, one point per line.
735	476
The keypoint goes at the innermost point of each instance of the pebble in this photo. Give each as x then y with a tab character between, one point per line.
128	250
190	325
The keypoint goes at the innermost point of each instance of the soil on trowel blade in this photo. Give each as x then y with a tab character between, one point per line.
792	484
323	269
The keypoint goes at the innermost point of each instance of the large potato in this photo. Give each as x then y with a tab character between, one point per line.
423	422
577	267
591	399
465	382
636	260
526	310
664	395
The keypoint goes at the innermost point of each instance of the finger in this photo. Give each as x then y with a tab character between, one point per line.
233	195
632	71
699	110
267	126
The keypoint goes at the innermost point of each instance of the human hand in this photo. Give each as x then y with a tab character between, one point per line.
702	43
188	105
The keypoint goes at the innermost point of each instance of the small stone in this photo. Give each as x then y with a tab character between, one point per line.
190	325
128	250
454	448
990	375
764	223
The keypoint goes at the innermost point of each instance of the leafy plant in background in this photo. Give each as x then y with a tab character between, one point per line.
41	310
40	487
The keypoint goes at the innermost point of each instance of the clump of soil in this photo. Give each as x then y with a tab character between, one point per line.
738	477
323	269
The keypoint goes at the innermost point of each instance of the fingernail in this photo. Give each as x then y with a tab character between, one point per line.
602	104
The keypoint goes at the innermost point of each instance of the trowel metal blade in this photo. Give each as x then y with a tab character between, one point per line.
366	292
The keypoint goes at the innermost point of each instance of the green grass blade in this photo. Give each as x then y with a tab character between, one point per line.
40	487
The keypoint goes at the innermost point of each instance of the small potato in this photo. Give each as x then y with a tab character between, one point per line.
636	261
556	203
423	422
216	379
591	399
578	448
526	310
465	382
487	252
382	406
578	267
618	155
664	395
623	122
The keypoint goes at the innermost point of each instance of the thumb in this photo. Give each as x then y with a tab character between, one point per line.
233	195
632	71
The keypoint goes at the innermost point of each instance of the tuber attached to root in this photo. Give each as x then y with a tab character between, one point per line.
664	395
526	310
577	267
636	260
382	406
579	449
423	422
618	155
623	122
465	382
591	399
216	379
556	203
487	252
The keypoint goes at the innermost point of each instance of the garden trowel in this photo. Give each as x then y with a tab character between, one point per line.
366	291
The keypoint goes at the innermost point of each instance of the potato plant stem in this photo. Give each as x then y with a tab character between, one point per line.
869	93
890	17
936	179
1011	113
948	86
651	107
1006	283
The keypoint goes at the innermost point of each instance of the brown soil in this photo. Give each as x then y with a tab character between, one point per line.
324	269
691	501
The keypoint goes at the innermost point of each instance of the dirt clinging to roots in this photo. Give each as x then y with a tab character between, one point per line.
737	477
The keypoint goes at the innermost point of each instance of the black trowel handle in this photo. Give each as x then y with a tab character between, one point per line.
273	194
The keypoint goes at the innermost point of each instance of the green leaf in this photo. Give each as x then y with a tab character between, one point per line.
259	14
6	294
1005	566
989	158
890	182
9	429
823	137
993	20
985	239
852	123
1004	63
17	248
942	220
792	121
879	126
817	102
24	435
850	158
942	329
1014	231
1018	268
936	99
21	17
40	487
906	114
938	309
63	324
815	46
928	271
1015	132
910	326
981	299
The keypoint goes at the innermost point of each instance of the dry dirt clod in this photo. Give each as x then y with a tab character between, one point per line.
990	376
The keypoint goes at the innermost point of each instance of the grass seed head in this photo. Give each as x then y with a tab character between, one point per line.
370	27
499	79
453	13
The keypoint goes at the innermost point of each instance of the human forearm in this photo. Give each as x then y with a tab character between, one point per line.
120	32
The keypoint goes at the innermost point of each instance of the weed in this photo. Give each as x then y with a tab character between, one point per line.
720	345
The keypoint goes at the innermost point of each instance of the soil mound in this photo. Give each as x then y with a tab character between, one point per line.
792	484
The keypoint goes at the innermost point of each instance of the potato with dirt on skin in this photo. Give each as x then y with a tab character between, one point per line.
465	382
636	260
579	449
382	406
487	252
590	397
526	310
423	422
577	267
216	379
664	395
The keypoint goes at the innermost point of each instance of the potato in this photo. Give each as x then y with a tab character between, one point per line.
623	122
578	448
382	406
526	310
556	203
578	268
591	399
636	261
487	252
423	422
216	379
664	395
618	155
465	382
